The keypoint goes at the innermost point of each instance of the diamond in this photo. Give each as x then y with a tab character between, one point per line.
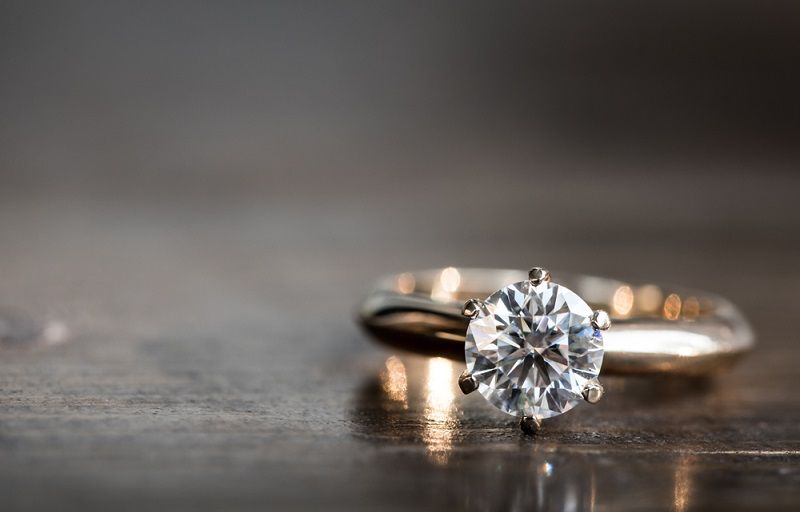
532	349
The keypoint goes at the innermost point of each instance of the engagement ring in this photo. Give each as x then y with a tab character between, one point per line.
535	348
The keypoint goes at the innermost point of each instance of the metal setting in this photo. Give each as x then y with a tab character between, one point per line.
601	320
471	308
467	383
530	425
592	392
538	275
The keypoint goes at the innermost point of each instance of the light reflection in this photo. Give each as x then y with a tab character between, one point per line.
394	381
531	479
539	476
406	283
691	308
622	302
682	486
661	342
450	279
447	284
672	306
648	298
55	333
439	415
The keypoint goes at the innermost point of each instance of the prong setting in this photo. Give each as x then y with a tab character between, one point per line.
538	275
467	382
471	308
592	392
503	318
530	425
601	320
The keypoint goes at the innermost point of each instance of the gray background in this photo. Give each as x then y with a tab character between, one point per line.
194	196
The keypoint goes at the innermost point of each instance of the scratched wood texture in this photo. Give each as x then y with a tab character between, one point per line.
194	199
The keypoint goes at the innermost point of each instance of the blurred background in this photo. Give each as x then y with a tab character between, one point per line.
195	195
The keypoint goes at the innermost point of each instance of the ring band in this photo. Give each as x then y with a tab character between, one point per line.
657	329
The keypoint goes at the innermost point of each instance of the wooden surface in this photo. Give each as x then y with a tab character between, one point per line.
211	362
194	199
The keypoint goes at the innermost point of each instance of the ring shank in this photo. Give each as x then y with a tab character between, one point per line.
655	329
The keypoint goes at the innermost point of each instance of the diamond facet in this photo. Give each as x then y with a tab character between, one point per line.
532	349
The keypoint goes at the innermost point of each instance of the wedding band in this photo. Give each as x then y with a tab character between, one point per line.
534	348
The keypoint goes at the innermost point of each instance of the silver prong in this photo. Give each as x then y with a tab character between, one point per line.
601	320
471	308
592	392
530	425
538	275
467	382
